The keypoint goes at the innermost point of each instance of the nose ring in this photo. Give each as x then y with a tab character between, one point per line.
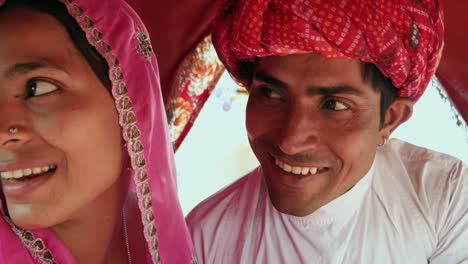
13	130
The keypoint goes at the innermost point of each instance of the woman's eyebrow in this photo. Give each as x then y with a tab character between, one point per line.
24	68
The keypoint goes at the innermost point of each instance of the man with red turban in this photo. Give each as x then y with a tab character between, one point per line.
329	81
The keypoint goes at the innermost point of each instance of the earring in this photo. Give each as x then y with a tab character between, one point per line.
13	130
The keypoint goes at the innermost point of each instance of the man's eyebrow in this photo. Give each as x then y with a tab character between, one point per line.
319	90
331	90
24	68
267	78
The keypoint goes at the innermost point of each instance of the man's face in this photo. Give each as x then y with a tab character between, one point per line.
313	123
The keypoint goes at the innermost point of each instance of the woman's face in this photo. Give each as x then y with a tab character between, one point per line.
67	151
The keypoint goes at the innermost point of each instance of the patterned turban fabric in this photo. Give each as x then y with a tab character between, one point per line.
403	38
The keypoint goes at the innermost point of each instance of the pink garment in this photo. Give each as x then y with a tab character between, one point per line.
119	35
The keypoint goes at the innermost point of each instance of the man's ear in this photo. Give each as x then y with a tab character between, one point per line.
398	113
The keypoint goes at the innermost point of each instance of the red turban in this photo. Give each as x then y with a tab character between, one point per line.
403	38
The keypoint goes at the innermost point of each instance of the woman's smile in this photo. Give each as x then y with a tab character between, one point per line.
18	183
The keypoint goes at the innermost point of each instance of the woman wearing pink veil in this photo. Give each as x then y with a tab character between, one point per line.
87	170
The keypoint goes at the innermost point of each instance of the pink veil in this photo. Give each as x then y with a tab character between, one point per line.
119	35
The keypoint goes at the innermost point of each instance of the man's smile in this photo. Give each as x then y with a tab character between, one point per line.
297	169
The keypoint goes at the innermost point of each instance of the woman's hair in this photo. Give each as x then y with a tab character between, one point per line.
59	11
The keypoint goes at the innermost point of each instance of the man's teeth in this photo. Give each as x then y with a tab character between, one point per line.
18	174
295	169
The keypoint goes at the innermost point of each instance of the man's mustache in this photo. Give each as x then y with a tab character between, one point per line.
313	157
305	157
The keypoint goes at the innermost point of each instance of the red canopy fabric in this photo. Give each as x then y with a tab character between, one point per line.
177	26
453	69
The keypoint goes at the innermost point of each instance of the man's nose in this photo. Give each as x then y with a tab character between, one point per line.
300	132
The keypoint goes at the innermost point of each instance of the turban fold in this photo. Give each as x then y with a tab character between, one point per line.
404	38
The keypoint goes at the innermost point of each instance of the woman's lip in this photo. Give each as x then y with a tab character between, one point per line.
19	189
22	165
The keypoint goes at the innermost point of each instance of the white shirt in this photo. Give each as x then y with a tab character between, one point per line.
411	207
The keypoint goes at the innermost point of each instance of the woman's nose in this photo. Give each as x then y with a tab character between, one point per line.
14	128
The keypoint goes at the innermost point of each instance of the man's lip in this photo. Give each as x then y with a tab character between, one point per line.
297	164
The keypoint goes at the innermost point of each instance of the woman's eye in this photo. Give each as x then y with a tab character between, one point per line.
38	88
336	105
269	93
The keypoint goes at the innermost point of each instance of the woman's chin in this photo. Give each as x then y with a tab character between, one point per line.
28	224
28	219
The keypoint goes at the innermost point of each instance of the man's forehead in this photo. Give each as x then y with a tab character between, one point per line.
310	67
306	60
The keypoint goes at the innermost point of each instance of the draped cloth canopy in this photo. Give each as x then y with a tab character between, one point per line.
453	69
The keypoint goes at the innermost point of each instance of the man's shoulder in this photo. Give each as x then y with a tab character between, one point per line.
418	160
217	223
226	202
412	151
429	175
438	187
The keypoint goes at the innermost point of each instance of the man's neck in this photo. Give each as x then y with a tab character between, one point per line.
297	206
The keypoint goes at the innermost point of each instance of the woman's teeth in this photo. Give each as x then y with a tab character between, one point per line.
295	169
18	174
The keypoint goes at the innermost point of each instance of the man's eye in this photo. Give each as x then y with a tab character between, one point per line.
37	88
269	93
335	105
